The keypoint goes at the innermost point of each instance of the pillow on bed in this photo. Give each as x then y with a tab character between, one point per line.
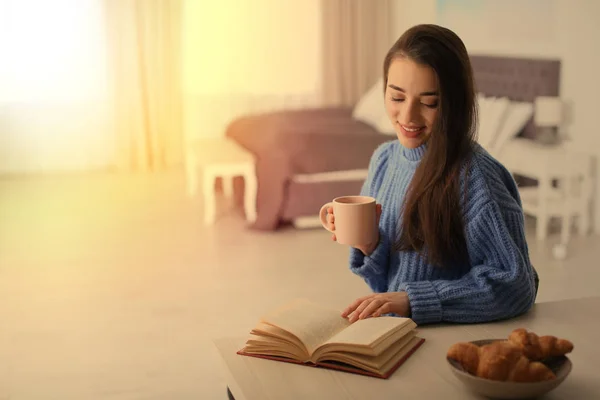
385	126
492	111
370	107
517	116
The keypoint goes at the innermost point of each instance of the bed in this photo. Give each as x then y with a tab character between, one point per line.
304	158
507	88
307	157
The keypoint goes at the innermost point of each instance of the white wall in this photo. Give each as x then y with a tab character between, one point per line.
251	46
247	56
574	27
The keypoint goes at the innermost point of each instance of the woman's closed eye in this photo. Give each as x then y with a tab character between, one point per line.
399	100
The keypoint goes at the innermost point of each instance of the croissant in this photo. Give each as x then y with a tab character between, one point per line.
536	347
500	361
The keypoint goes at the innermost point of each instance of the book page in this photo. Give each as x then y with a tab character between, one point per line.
274	347
363	361
380	365
271	341
274	333
368	332
402	353
309	322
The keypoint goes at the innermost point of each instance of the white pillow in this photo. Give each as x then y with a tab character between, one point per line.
517	116
385	126
492	112
370	108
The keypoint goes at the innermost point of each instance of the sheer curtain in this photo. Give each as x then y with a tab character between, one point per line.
356	37
144	58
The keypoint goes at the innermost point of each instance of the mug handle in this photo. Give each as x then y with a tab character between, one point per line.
323	215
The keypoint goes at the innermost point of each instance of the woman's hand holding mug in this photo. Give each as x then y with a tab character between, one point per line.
357	221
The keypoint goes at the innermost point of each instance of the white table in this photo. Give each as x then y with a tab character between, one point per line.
545	163
225	159
425	375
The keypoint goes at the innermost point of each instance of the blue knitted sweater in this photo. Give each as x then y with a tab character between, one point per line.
498	283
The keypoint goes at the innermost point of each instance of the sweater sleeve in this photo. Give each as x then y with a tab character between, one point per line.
500	283
373	268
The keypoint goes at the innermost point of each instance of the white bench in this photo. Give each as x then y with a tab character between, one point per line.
225	159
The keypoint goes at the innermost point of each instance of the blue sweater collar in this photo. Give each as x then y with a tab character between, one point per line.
414	154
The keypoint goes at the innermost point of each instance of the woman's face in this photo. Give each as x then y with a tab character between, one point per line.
411	101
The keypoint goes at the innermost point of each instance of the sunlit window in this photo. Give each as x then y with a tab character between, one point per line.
51	50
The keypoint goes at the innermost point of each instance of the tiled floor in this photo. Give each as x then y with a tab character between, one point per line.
111	288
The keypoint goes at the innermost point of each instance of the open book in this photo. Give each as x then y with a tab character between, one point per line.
305	333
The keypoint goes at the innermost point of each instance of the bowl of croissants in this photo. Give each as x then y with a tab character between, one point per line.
523	366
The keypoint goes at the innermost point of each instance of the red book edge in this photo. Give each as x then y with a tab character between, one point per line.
344	368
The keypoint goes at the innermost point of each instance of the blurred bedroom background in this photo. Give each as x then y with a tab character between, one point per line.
156	155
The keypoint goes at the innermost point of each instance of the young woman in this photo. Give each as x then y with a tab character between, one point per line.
451	243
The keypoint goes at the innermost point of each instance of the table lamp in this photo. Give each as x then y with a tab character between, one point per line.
548	118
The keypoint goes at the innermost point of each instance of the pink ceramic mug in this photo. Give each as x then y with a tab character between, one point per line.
355	219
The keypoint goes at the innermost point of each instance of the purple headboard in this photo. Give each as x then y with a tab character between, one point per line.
520	79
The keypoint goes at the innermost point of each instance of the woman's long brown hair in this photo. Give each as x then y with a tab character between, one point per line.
432	218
